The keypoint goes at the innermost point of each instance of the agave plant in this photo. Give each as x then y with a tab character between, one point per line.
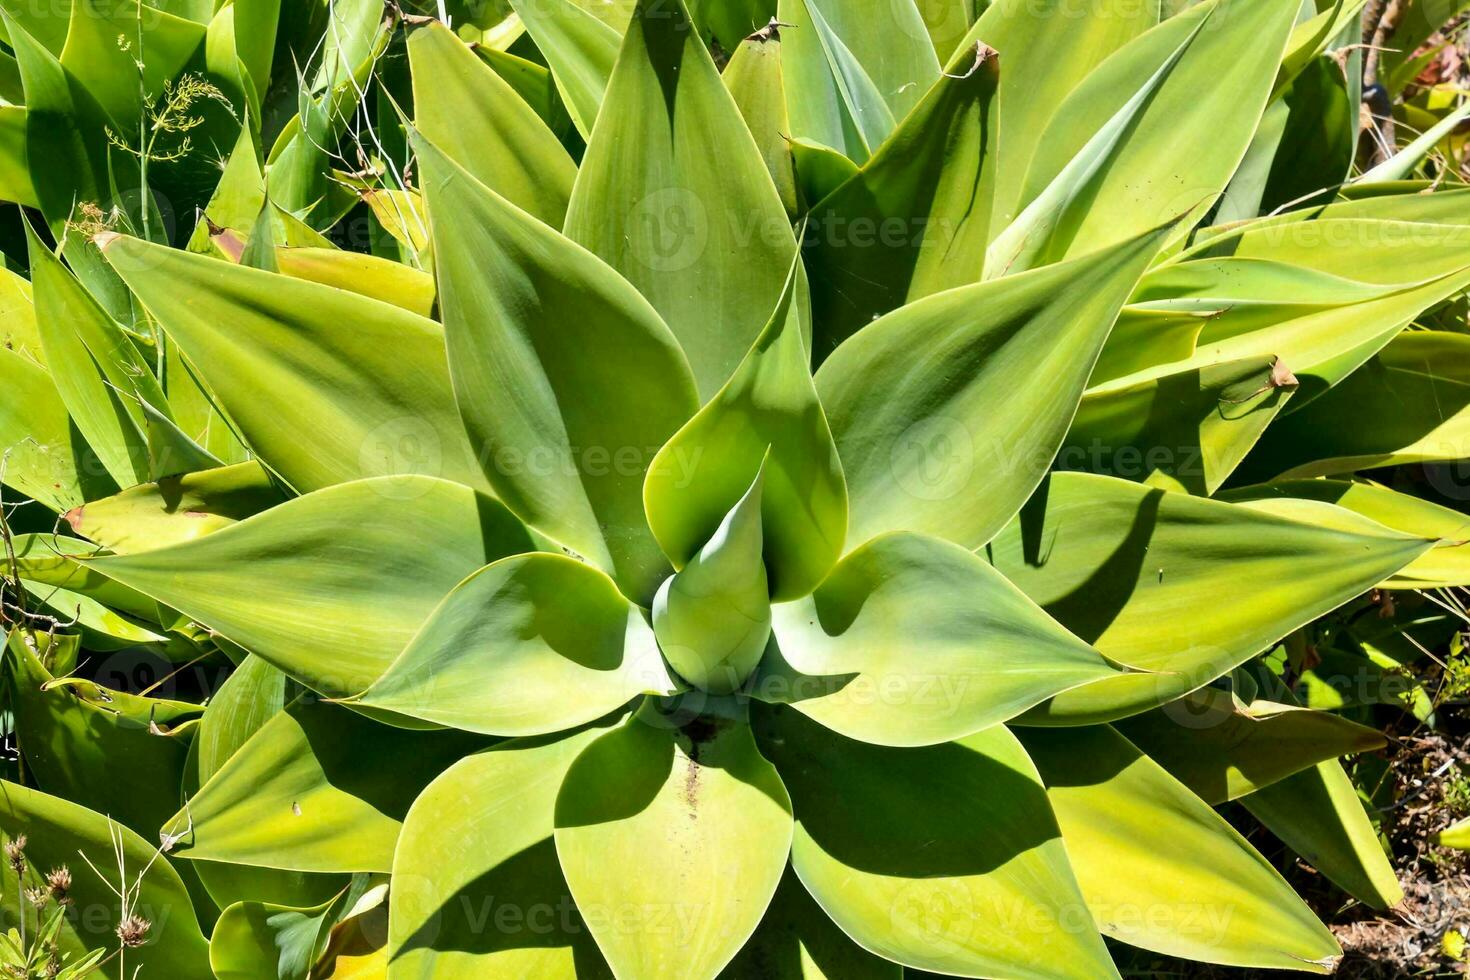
824	526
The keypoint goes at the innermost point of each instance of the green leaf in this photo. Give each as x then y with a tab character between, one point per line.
477	890
915	641
709	246
955	453
566	377
46	458
851	71
121	79
1448	563
580	49
378	394
705	820
367	275
1456	836
886	843
1161	870
176	509
915	219
297	796
77	738
753	78
330	587
1222	748
713	616
63	125
1323	296
254	693
1317	813
1189	429
467	110
1118	564
769	411
1046	52
98	372
530	645
59	833
264	941
15	173
948	21
51	559
1401	165
797	941
1121	153
1409	404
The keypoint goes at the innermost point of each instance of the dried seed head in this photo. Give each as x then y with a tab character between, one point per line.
59	881
15	853
37	896
133	931
53	964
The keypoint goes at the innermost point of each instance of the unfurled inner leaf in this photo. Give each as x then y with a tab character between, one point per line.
713	616
767	411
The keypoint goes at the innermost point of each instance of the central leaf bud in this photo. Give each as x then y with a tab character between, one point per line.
713	617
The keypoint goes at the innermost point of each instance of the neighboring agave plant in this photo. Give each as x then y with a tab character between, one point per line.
715	608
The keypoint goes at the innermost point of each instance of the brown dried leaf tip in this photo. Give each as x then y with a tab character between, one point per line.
1281	376
771	32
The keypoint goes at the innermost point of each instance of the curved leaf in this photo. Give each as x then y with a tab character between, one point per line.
955	453
579	48
1318	814
796	941
915	641
76	739
1118	564
1120	153
1163	871
330	587
297	796
1222	749
886	843
46	458
58	833
477	890
708	246
767	415
378	394
565	376
176	508
915	219
1410	403
1448	563
467	110
530	645
705	820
